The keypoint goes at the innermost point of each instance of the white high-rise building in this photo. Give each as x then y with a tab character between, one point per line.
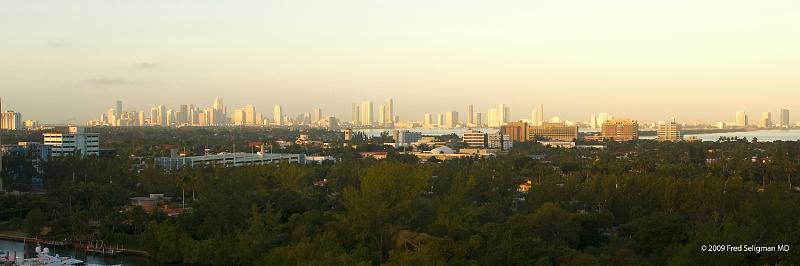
382	120
742	119
366	113
495	119
388	112
538	115
439	120
766	120
784	119
277	116
470	115
451	119
317	115
426	122
162	113
356	114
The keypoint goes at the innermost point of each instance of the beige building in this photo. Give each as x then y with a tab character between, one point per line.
517	131
553	131
620	130
670	131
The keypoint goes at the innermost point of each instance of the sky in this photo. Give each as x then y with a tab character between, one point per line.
696	60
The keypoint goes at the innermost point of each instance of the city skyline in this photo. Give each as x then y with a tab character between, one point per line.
571	56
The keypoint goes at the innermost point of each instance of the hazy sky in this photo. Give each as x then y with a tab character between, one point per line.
68	61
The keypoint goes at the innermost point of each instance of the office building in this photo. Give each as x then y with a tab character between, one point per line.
72	141
382	120
516	131
11	120
366	113
451	119
620	130
670	131
317	115
388	113
404	138
118	109
277	116
553	131
426	121
499	141
537	115
356	114
742	119
784	118
477	119
475	139
470	117
766	120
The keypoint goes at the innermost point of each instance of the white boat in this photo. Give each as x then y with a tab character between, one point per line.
43	258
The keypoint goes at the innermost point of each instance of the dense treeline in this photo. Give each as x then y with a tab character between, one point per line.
639	203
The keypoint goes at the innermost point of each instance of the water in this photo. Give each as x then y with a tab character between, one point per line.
6	245
762	135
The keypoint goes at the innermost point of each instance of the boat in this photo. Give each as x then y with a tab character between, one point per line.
43	258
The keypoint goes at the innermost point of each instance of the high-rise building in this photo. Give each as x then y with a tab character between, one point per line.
140	119
494	118
119	110
439	120
356	114
426	122
219	105
553	131
183	114
620	130
382	119
366	113
477	120
470	116
72	141
11	120
155	117
388	112
537	116
784	119
766	120
249	115
670	131
741	119
317	115
451	119
277	116
170	117
517	131
602	118
238	117
505	113
162	112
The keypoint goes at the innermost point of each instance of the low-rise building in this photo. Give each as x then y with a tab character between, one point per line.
553	131
620	130
670	131
475	139
228	160
499	141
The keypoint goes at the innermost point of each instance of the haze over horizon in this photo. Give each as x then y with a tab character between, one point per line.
68	61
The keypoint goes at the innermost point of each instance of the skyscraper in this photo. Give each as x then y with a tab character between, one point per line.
366	113
183	114
439	120
155	117
278	116
382	119
140	118
494	119
477	120
317	115
741	119
170	117
470	117
426	122
389	112
249	115
538	115
118	114
505	113
784	119
451	119
162	115
766	120
356	114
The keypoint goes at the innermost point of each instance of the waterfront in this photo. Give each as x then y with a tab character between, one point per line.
761	135
19	248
